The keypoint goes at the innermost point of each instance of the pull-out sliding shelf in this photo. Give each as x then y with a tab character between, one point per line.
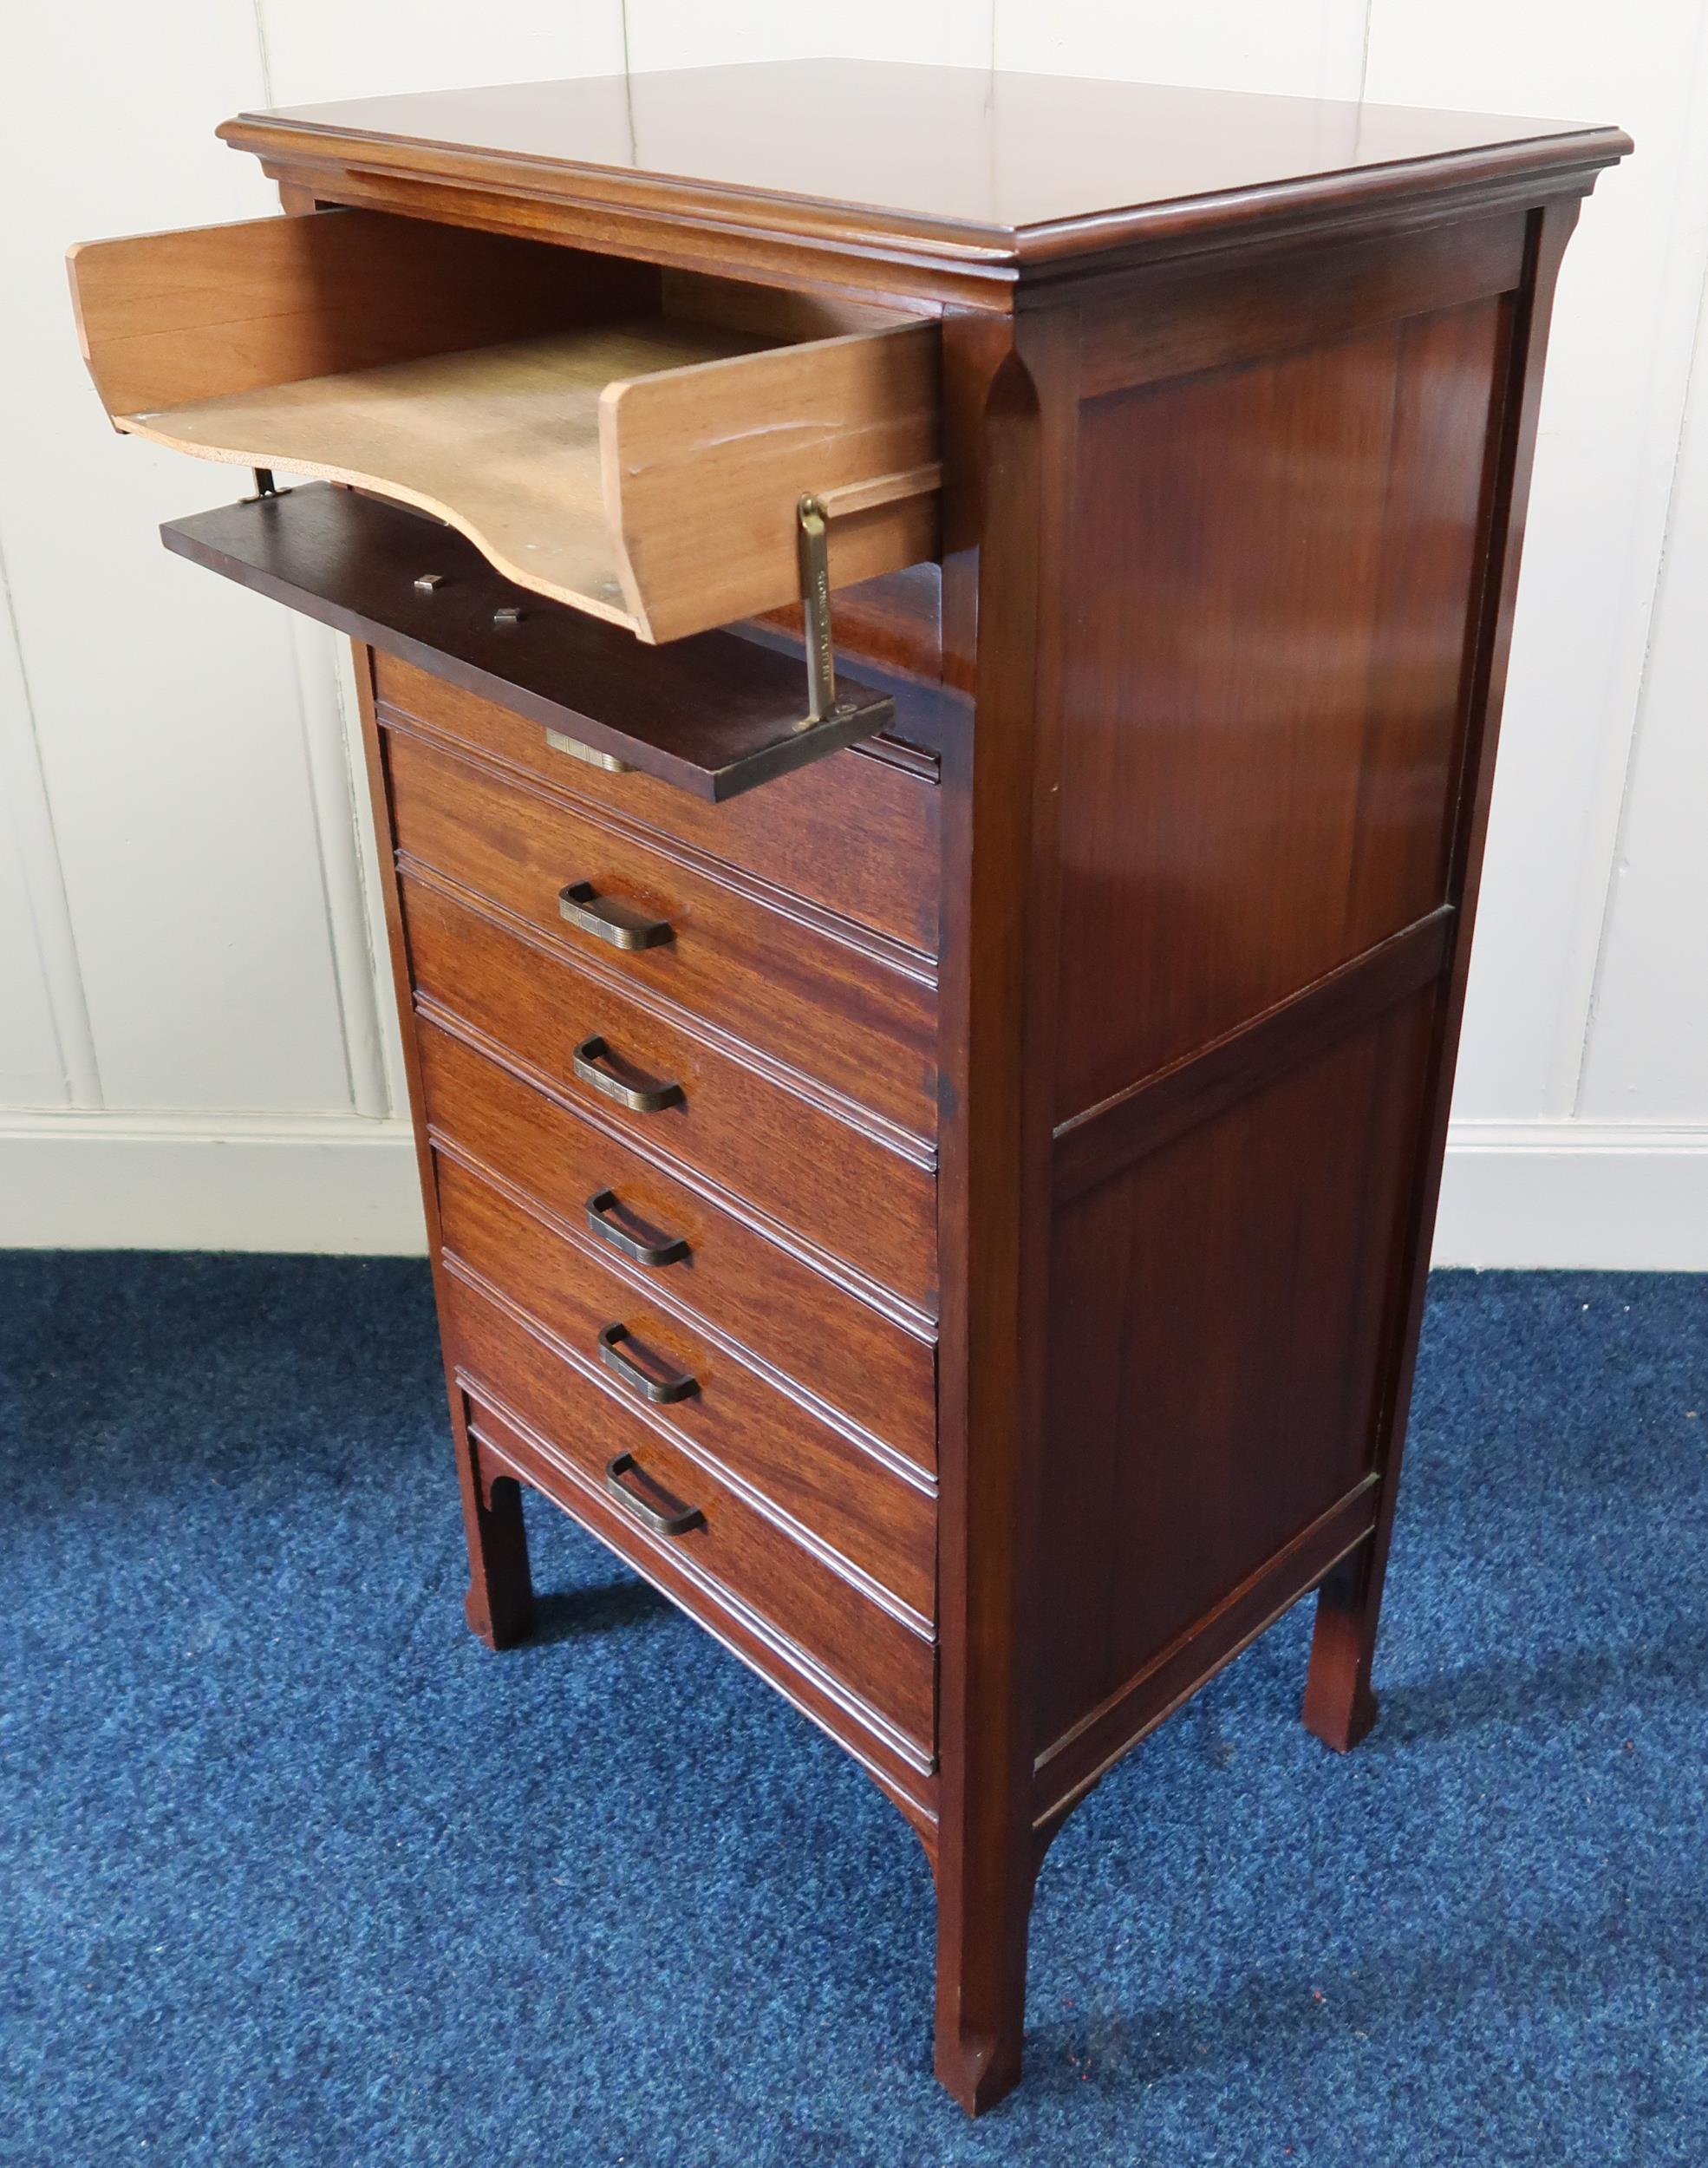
630	441
714	713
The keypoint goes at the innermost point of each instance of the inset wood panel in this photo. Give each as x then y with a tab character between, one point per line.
1263	712
1216	1322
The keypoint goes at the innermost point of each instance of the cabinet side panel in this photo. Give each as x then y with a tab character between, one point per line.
1273	602
1217	1335
1278	598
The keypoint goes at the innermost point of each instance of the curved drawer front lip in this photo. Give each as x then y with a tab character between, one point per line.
824	1006
726	1414
504	1355
863	1365
854	833
840	1186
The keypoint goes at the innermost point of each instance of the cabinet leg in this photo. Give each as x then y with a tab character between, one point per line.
983	1920
1339	1701
499	1605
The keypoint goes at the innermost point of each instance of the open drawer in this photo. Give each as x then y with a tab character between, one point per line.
630	441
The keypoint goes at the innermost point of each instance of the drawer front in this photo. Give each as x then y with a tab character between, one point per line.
854	833
836	1183
841	1350
861	1025
730	1418
733	1549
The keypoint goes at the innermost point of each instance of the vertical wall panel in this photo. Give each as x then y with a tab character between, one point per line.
687	34
1304	48
32	1073
1648	1054
1616	375
183	920
317	50
165	704
46	1056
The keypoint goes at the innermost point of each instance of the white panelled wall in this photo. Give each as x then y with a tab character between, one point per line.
195	1046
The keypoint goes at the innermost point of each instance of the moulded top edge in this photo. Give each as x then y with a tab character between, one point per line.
962	164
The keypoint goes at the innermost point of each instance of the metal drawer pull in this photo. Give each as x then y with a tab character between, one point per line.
665	1253
661	1524
640	1098
578	751
620	924
677	1386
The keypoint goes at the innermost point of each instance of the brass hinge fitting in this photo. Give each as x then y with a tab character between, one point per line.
813	536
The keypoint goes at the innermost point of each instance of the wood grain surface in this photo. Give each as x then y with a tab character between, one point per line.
869	1522
716	715
857	834
1236	400
860	1021
816	1167
219	312
507	1449
501	442
886	1666
898	178
1268	709
645	469
873	1371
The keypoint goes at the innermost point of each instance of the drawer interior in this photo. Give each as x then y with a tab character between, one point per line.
626	440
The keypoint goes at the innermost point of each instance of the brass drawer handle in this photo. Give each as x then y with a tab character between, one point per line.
678	1386
640	1098
665	1253
619	923
661	1524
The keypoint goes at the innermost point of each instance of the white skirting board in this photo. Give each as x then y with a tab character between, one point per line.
1515	1194
1603	1196
338	1183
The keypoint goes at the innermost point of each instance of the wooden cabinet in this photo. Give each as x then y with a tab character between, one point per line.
937	1172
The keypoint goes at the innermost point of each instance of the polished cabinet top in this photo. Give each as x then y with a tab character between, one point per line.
962	159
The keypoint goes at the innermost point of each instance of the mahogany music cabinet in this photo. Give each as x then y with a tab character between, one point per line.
931	647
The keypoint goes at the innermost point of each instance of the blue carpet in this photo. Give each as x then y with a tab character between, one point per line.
294	1872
